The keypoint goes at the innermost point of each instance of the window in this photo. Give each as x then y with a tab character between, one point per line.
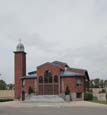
23	83
40	79
56	79
66	68
50	79
48	76
79	95
78	82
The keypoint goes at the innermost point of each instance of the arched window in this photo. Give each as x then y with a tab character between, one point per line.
40	79
55	78
48	76
23	83
78	82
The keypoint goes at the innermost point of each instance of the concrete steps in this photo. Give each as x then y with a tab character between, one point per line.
44	99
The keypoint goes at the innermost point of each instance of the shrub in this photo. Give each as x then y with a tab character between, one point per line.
95	98
30	90
88	96
102	91
5	100
67	91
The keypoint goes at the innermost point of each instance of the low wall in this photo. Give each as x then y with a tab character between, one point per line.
101	97
6	94
74	98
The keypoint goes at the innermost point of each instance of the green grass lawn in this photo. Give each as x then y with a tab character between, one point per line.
97	101
101	102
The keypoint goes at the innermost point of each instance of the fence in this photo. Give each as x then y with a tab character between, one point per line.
7	94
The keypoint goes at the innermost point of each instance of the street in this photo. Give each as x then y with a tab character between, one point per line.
53	111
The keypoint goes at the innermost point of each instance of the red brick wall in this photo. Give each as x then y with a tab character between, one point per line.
29	83
41	70
55	71
86	84
71	83
20	70
62	66
77	70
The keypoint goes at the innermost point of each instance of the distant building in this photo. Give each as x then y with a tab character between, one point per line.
50	78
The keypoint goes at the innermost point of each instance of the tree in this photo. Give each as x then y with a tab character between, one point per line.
97	82
67	91
101	84
105	83
30	90
102	91
10	86
91	84
2	85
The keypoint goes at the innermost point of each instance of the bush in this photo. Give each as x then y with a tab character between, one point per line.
5	100
30	90
102	91
95	98
67	91
88	96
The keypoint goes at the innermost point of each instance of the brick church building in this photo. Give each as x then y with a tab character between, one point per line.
50	78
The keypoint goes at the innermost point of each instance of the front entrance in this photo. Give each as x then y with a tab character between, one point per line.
48	84
48	89
23	95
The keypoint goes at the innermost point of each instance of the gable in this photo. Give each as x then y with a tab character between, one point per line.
81	71
47	64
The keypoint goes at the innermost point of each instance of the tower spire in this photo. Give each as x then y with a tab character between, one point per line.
20	40
20	68
20	46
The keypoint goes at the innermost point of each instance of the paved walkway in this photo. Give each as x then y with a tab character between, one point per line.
17	104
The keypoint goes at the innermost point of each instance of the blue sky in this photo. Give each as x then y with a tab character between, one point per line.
72	31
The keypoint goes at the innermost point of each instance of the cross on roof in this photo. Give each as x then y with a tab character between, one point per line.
20	40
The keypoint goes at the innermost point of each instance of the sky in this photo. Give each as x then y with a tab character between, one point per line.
71	31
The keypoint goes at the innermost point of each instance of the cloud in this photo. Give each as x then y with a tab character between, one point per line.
92	58
72	31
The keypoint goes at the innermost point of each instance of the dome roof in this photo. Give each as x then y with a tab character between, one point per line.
20	47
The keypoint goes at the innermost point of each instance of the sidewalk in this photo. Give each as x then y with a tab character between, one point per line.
18	104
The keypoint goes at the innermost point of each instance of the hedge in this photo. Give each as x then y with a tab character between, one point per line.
6	100
88	96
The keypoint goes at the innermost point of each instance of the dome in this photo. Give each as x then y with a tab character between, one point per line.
20	47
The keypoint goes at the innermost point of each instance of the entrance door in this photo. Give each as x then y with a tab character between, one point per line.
55	89
23	95
48	90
